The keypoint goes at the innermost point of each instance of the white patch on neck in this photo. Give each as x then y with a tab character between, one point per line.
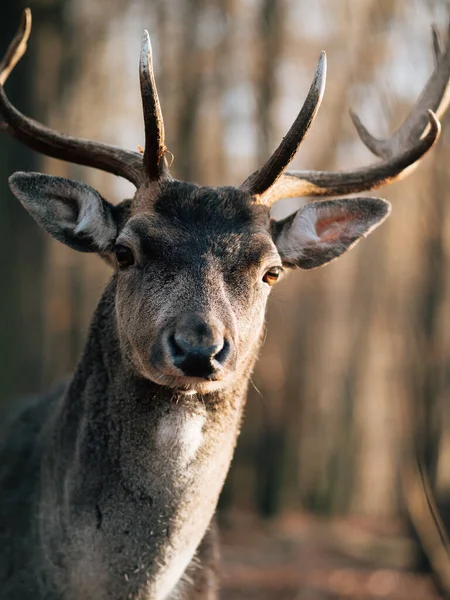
180	434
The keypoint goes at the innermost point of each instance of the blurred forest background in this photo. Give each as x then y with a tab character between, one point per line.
351	390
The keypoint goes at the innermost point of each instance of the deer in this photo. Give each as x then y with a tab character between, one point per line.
109	482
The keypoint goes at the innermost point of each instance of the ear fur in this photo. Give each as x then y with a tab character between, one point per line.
321	231
72	212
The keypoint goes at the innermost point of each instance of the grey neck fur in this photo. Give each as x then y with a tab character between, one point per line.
124	506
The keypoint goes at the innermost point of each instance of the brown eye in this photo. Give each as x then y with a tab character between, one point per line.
271	276
124	256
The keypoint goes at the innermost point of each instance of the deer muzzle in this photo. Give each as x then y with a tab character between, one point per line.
200	347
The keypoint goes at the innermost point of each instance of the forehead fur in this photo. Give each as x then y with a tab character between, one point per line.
218	210
183	223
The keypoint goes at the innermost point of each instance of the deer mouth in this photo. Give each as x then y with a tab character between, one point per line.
183	362
173	378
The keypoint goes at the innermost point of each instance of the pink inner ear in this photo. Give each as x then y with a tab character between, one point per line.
329	229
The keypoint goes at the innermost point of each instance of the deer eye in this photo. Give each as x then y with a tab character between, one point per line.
124	256
271	276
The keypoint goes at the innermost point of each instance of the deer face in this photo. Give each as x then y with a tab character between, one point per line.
194	265
192	287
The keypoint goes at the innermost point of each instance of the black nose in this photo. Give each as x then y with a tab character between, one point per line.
199	348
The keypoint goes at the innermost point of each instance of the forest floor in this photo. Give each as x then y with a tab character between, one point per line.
300	557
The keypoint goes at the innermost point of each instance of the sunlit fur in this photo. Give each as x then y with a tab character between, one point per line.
130	466
110	482
207	251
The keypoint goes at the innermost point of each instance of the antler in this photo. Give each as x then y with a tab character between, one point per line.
154	161
17	47
435	97
401	152
266	176
125	163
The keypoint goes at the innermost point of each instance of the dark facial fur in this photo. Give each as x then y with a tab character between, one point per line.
124	466
200	253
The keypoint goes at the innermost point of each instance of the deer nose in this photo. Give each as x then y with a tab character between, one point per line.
199	348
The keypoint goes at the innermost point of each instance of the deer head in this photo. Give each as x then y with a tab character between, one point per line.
194	265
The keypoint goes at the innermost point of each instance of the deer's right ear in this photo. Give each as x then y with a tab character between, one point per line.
72	212
321	231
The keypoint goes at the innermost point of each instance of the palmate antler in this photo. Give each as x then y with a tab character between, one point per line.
400	153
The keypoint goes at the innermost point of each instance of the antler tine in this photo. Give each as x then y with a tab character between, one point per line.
154	161
435	96
400	153
14	53
105	157
17	47
297	184
266	176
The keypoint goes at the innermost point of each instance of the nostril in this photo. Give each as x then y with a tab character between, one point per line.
215	349
223	352
180	348
198	352
176	348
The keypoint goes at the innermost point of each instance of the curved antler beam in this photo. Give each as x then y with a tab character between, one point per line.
435	96
296	184
259	181
400	153
38	137
17	47
125	163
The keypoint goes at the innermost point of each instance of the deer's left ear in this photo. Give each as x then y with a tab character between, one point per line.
72	212
321	231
